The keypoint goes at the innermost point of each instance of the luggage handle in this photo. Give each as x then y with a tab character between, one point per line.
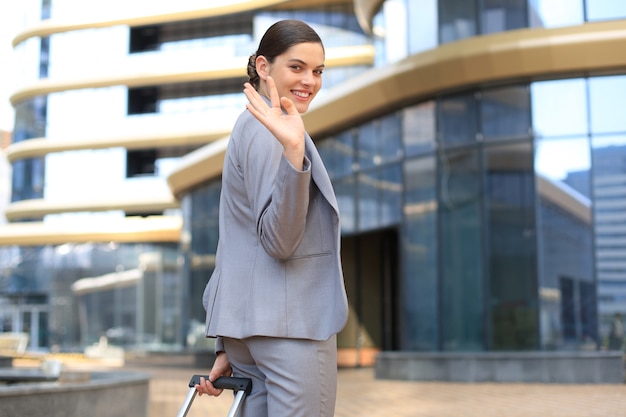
240	386
225	382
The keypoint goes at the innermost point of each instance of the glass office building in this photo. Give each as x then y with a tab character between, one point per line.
476	149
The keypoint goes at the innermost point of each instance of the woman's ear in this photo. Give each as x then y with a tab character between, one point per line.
262	67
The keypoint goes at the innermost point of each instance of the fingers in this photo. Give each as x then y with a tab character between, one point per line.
221	367
255	102
205	387
289	107
274	98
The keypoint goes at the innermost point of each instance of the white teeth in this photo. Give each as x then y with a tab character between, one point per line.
300	94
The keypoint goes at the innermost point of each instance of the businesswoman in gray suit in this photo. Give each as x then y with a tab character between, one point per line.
276	299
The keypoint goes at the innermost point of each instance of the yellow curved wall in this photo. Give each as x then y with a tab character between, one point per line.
51	26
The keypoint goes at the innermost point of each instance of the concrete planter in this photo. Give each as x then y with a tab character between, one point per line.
548	367
94	394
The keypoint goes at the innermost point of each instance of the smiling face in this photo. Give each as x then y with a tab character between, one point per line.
297	73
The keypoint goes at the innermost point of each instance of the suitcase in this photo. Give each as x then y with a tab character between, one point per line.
240	386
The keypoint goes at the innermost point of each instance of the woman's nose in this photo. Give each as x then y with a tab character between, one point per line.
308	78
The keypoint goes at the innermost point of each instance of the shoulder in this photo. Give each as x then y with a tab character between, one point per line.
248	132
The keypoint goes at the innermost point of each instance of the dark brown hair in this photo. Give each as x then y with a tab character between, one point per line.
279	37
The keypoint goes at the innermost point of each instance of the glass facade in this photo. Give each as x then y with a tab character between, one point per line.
436	22
496	243
490	192
70	295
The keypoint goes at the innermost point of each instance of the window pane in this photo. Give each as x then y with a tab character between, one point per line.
457	120
379	141
30	119
27	179
345	191
560	160
390	196
461	255
564	238
510	199
423	27
419	249
368	152
506	113
605	9
502	15
457	20
368	213
379	194
559	108
607	97
390	137
337	153
609	183
555	13
418	125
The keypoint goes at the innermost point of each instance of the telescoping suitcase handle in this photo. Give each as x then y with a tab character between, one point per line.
225	382
241	387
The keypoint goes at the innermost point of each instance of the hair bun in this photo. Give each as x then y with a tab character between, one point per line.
253	76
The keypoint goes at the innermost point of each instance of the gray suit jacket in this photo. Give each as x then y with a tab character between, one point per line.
278	270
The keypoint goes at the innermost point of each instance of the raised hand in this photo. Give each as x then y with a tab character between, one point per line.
287	127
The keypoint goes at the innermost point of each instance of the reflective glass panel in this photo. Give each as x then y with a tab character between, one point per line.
607	97
502	15
27	179
609	183
605	9
505	113
555	13
462	275
419	255
423	26
511	239
390	137
379	197
114	287
30	119
390	195
418	128
368	152
559	160
457	20
457	120
337	152
345	190
559	108
564	239
394	21
380	141
368	202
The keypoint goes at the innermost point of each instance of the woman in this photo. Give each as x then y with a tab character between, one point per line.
276	299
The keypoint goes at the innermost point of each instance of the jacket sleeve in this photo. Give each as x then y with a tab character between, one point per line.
277	192
219	345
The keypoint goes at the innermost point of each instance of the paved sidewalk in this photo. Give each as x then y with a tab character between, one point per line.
361	395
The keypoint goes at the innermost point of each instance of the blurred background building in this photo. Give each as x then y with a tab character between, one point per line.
477	149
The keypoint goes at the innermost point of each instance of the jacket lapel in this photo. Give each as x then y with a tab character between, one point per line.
319	173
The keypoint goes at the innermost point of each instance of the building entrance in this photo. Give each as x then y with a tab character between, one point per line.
26	315
370	265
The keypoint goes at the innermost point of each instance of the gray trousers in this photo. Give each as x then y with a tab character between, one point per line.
290	377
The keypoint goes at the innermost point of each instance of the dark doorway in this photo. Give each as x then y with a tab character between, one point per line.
370	264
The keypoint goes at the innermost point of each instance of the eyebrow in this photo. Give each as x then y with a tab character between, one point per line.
304	63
